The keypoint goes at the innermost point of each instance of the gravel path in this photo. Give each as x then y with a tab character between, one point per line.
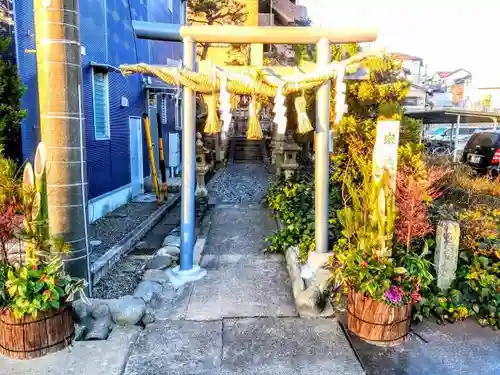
116	225
240	183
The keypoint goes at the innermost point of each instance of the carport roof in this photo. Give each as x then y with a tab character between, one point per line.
450	116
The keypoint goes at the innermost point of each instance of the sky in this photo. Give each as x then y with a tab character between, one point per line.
447	34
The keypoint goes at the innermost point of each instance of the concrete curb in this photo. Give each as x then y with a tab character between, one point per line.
309	301
100	267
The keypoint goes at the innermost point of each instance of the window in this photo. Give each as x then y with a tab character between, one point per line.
101	105
171	5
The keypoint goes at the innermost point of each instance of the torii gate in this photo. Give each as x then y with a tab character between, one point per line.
252	35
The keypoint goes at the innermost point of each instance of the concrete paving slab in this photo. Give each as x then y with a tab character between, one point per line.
177	347
454	349
172	303
85	357
266	346
287	346
239	231
250	287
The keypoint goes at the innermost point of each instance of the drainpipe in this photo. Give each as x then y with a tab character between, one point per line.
62	130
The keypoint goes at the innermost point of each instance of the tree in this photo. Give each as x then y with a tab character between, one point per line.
215	12
11	114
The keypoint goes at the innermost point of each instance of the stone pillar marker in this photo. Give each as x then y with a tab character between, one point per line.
446	253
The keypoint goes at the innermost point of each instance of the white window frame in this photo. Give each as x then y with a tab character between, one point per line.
171	5
106	110
183	13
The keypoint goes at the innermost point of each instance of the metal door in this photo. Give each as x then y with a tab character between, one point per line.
136	162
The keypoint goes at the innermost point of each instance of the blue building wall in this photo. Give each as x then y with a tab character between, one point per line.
107	38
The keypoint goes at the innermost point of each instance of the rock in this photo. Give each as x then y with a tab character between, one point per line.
306	272
142	245
160	262
101	311
158	276
149	317
80	331
322	279
128	310
446	253
147	290
95	243
80	310
309	303
174	251
100	329
171	240
298	287
317	260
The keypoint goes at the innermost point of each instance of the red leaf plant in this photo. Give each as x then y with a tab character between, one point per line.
413	196
9	224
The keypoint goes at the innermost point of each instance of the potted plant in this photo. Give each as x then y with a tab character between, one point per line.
35	291
381	286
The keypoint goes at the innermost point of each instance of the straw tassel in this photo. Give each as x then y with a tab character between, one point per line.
303	122
212	125
254	128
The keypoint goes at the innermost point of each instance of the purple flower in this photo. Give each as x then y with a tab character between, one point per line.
394	295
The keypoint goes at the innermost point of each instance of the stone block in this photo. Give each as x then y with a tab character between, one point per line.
160	262
158	276
322	279
80	310
169	250
309	302
100	329
446	253
128	310
101	311
172	241
316	260
147	290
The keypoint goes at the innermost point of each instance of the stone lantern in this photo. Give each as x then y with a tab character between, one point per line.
289	162
202	167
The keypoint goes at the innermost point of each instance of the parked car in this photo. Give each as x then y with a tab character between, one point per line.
482	152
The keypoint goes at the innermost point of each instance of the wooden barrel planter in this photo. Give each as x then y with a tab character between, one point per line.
376	322
29	338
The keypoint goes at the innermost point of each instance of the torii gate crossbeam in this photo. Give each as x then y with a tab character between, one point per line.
189	35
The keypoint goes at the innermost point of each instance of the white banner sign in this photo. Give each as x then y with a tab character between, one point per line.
385	154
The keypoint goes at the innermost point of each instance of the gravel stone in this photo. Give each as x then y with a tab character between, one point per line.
121	280
239	183
147	290
113	227
128	310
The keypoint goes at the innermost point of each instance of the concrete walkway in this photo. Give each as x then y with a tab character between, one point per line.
241	318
